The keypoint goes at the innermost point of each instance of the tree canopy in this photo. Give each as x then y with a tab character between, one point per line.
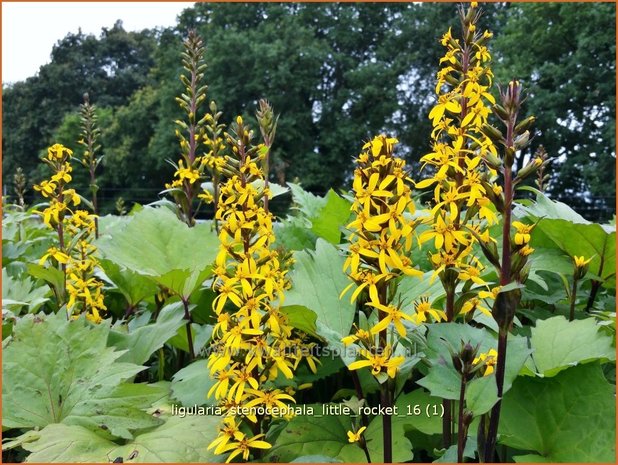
337	73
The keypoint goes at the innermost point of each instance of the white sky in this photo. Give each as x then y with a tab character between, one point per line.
30	29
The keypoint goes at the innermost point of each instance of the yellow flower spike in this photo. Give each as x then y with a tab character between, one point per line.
356	436
254	341
84	292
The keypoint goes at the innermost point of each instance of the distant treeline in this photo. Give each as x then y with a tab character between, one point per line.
337	74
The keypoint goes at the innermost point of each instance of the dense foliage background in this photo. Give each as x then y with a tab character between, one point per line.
337	73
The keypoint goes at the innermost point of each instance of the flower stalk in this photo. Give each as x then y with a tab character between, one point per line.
186	186
75	229
252	339
461	210
513	264
380	238
89	139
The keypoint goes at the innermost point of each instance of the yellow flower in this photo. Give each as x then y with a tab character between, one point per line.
56	254
242	445
379	362
489	360
422	308
356	437
393	315
522	236
581	262
269	399
471	273
361	335
229	431
493	294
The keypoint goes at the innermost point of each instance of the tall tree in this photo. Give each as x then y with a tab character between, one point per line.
110	68
565	55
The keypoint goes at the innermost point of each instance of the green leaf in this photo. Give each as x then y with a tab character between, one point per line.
317	281
442	380
450	455
567	418
530	458
559	344
53	276
309	204
331	217
153	242
201	335
190	385
411	288
69	443
317	434
300	317
294	234
56	370
179	440
22	292
133	286
142	342
425	422
544	207
579	238
315	459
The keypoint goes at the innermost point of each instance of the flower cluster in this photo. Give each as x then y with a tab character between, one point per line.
252	339
76	230
54	189
462	184
84	290
381	235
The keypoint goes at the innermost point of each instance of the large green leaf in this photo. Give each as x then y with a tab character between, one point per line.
561	227
331	217
567	418
69	443
544	207
559	344
56	370
142	342
156	244
300	317
308	204
179	440
133	286
190	385
317	434
22	293
442	380
317	281
420	411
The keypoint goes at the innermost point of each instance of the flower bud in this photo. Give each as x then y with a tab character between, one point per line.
493	133
501	112
522	140
527	170
525	124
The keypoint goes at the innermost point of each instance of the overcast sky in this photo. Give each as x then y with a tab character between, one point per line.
30	29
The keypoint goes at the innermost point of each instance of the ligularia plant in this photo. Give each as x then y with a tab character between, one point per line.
461	212
381	236
252	340
75	230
